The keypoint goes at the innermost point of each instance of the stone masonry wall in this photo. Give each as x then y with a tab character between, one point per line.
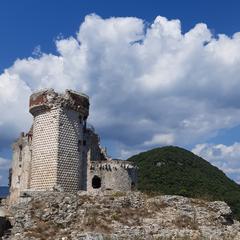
70	150
45	149
91	152
58	144
62	151
21	167
113	174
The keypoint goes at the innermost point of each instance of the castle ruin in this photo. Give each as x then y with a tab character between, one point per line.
61	152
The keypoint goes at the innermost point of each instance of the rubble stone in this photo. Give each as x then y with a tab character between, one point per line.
120	215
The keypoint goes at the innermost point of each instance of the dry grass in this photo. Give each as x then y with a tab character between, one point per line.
37	204
103	219
199	202
43	231
95	220
157	205
85	198
151	194
184	221
119	194
130	216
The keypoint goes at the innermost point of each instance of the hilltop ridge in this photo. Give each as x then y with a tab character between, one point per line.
177	171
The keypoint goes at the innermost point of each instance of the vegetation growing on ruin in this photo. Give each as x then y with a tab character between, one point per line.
176	171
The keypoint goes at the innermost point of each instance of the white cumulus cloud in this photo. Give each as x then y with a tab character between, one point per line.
160	139
224	157
149	84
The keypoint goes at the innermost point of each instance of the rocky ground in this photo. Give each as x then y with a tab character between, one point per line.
131	215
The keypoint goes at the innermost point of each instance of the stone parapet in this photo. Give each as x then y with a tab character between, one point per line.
110	165
48	99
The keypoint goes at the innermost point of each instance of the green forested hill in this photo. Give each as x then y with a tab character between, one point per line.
174	170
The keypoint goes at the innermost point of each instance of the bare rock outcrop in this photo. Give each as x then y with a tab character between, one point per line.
115	215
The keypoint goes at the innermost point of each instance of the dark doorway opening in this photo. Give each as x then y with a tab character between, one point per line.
96	182
5	227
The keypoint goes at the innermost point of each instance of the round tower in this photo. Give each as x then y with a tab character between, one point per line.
58	139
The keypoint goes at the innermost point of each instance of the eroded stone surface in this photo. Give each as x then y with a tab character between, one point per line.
116	215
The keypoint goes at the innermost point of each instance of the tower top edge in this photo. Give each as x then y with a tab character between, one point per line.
45	99
45	90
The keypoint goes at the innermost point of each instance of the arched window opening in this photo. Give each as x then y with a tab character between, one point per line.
80	119
96	182
84	124
79	145
20	153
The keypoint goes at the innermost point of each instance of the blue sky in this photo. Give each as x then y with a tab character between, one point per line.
26	24
180	86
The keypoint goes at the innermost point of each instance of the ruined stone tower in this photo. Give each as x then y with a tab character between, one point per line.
61	151
58	144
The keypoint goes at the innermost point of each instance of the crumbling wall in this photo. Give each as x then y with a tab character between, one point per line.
113	175
92	143
70	150
59	122
92	152
45	150
60	150
21	166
